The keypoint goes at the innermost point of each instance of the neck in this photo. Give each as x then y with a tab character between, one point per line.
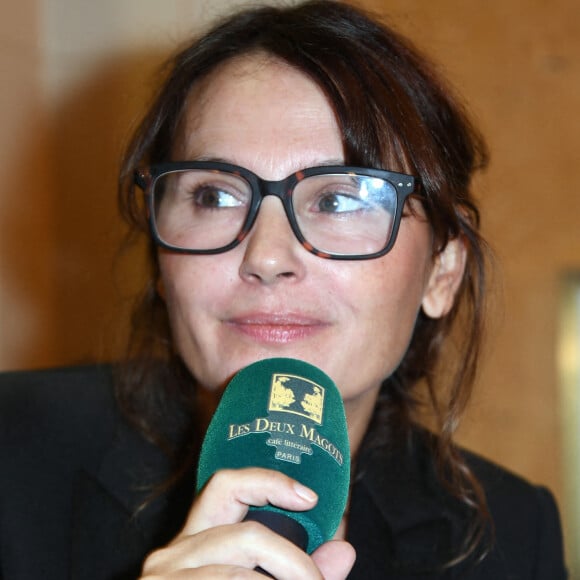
359	412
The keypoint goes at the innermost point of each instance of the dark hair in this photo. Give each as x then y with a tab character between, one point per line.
394	112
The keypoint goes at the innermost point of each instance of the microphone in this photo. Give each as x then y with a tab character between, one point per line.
286	415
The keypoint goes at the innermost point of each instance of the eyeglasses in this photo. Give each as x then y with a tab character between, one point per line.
335	212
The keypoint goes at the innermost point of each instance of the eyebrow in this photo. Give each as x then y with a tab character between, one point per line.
211	158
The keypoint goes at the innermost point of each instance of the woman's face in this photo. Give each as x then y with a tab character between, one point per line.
269	297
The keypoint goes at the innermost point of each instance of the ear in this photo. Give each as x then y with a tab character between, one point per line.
444	279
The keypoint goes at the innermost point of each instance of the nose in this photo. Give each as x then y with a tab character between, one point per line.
271	252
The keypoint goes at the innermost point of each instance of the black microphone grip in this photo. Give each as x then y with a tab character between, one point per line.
283	526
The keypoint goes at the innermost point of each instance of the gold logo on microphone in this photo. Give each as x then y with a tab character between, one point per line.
296	395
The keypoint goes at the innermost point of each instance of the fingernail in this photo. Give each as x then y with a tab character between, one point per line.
305	492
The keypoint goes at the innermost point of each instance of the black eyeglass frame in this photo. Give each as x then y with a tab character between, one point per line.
146	178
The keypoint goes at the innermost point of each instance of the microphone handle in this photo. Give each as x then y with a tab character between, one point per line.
283	525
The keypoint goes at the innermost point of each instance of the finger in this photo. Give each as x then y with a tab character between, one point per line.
227	495
215	572
247	545
334	559
225	573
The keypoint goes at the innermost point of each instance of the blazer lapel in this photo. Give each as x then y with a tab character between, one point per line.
111	532
398	493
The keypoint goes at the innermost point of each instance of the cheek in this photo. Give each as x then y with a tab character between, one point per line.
191	288
195	286
394	288
187	280
389	307
175	279
383	310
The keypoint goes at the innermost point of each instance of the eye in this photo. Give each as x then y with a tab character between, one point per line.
211	196
339	203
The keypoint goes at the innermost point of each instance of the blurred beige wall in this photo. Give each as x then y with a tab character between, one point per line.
76	74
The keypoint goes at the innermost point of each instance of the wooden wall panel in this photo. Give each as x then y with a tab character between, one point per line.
517	63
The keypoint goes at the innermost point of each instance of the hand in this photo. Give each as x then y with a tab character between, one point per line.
215	543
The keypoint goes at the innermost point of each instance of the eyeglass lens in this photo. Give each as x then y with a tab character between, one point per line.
342	214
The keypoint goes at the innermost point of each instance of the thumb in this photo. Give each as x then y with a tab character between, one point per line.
334	559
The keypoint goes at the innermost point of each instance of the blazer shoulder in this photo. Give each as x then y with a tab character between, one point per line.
527	527
503	485
69	407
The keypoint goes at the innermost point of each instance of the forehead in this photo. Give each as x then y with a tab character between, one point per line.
233	79
257	103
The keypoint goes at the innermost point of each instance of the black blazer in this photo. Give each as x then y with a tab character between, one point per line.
73	475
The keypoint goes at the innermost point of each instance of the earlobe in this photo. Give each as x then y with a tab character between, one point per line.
444	279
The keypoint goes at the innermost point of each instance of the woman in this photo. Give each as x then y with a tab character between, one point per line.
363	267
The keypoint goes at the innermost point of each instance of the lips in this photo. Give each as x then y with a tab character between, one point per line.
277	328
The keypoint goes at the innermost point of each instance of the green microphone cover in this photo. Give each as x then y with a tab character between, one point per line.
286	415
